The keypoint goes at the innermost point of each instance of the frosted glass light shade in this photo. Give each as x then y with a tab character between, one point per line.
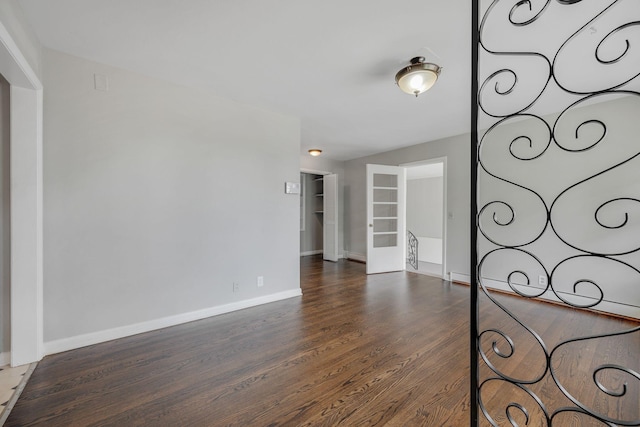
418	77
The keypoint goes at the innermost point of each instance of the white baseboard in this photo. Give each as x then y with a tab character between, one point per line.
5	358
355	256
459	277
84	340
320	252
604	306
307	253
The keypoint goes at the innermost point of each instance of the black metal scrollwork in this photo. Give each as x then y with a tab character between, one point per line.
558	179
412	250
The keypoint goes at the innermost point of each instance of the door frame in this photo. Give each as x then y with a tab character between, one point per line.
445	210
315	172
26	182
323	173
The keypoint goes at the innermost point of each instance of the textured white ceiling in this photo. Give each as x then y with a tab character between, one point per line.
331	63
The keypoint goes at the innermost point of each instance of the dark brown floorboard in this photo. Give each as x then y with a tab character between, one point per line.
388	349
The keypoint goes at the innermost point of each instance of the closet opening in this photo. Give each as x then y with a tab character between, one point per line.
319	214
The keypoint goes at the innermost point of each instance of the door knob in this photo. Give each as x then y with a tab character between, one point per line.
370	225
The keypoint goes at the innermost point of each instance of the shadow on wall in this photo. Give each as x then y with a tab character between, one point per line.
5	220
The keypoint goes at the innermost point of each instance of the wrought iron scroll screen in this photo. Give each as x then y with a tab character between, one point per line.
412	249
555	197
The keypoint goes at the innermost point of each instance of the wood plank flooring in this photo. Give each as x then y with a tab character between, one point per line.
388	349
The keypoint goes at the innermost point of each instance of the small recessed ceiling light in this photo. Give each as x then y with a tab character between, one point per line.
418	77
315	152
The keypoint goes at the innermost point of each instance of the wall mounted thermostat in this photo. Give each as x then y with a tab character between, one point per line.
292	187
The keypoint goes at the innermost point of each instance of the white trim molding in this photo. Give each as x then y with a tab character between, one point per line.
14	66
604	306
355	256
307	253
26	117
84	340
315	172
459	277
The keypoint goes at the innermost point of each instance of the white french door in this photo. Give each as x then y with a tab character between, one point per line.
385	218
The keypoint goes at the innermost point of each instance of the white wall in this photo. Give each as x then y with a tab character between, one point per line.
544	184
456	149
424	216
320	163
424	207
157	198
5	221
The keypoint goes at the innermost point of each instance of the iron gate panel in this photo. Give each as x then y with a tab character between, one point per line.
555	198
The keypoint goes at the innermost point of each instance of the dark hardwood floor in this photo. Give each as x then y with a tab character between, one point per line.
388	349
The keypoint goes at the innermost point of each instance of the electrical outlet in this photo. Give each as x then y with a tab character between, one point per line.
542	280
236	287
260	281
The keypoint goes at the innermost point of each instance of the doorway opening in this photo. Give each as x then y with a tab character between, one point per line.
311	213
425	217
319	214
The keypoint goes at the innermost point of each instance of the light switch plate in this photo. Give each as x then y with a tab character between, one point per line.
101	82
292	187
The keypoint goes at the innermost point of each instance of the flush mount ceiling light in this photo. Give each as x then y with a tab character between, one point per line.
417	77
315	152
